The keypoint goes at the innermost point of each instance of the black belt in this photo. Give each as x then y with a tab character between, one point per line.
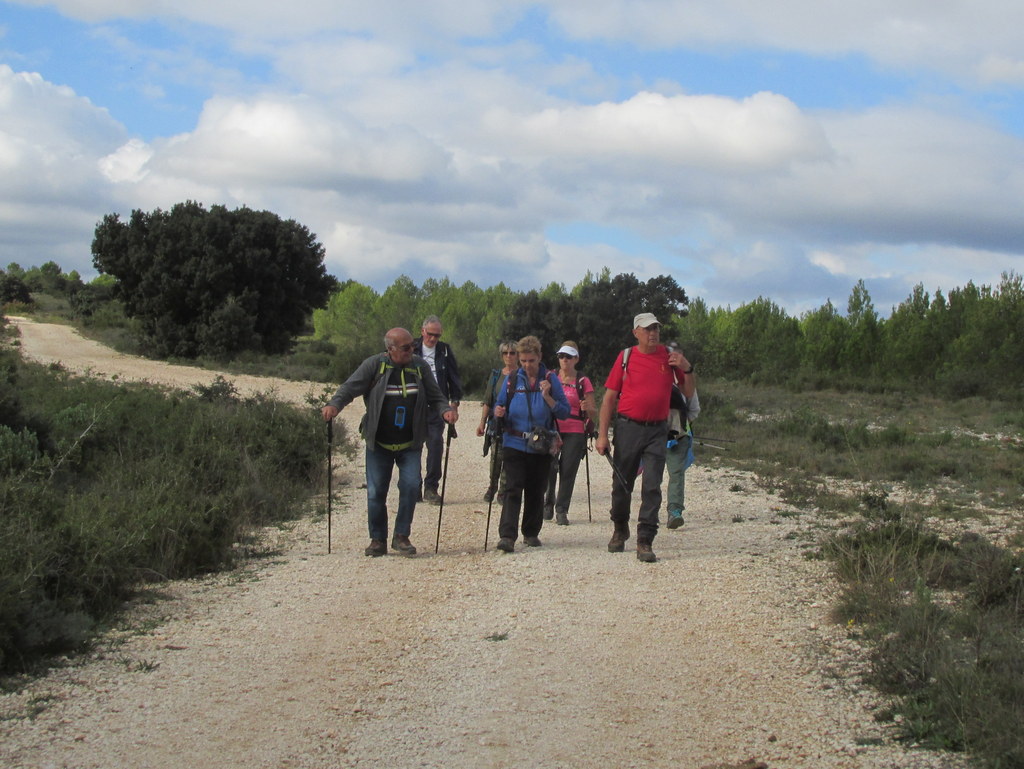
653	423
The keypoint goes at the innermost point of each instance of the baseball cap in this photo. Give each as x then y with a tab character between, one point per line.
645	319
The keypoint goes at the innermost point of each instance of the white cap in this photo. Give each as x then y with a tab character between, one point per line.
645	319
569	350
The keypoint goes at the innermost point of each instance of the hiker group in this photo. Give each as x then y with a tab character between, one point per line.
537	425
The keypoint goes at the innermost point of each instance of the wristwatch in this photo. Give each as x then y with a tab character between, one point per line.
689	370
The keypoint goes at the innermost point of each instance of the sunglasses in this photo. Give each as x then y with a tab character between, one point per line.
510	352
565	356
402	347
431	335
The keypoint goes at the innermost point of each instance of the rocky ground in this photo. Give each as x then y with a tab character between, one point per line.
721	654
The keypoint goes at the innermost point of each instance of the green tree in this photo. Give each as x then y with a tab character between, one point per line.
599	314
399	305
693	331
760	339
861	353
986	353
13	289
912	348
349	321
213	282
825	336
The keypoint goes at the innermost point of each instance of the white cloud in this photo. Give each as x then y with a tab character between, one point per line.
411	150
295	143
947	37
956	37
765	131
50	140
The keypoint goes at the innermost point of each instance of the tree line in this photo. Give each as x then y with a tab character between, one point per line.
192	282
967	342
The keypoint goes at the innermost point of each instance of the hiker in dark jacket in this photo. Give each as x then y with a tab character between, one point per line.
399	391
439	356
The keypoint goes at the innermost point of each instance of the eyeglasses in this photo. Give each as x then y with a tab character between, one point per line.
565	356
509	352
432	335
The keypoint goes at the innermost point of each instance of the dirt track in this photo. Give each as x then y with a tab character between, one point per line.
562	656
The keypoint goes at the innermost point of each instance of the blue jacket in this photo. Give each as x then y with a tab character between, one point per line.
517	418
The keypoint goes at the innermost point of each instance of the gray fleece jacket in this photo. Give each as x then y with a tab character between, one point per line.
371	382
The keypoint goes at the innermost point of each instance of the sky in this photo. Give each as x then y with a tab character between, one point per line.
748	149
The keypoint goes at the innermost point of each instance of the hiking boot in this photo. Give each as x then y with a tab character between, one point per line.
645	553
532	541
376	548
489	494
506	545
549	513
430	496
675	519
617	543
562	519
403	545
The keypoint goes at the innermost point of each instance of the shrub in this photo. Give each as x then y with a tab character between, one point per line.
104	485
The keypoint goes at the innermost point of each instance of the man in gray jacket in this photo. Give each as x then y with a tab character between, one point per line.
398	388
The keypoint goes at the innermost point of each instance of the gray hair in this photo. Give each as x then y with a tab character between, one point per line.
430	319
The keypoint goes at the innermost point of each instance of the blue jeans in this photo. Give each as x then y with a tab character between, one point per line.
379	466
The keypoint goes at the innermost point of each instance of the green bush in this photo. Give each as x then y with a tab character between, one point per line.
954	665
112	485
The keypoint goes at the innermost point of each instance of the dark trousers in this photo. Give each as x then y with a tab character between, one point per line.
435	450
526	479
564	469
497	470
634	444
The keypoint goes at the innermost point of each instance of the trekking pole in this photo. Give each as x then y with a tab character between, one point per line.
700	442
444	481
495	465
586	459
330	473
618	475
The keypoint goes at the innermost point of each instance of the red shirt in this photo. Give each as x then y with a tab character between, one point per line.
646	386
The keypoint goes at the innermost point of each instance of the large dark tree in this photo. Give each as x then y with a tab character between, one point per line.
598	315
605	309
213	282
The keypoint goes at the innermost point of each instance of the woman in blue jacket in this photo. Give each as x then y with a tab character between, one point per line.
529	402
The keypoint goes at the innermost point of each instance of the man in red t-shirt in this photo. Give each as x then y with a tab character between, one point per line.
637	394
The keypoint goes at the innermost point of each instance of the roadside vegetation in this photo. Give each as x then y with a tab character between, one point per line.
107	486
901	440
917	502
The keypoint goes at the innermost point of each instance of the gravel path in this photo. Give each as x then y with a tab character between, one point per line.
719	655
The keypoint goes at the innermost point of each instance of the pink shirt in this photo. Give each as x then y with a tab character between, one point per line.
574	424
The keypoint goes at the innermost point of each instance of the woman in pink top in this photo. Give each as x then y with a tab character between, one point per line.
575	430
